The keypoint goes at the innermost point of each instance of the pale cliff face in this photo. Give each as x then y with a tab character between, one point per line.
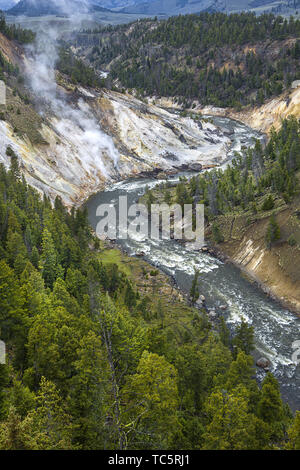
260	118
145	137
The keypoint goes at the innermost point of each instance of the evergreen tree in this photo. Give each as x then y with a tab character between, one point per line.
270	408
194	291
273	232
152	395
4	381
244	338
50	267
230	425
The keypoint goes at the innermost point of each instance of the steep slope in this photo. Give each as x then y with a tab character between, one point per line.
276	270
11	51
274	111
216	59
253	211
87	137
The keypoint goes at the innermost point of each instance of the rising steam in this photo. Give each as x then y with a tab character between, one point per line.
75	123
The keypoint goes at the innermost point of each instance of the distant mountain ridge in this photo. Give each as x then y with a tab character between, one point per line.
34	8
116	4
54	7
174	7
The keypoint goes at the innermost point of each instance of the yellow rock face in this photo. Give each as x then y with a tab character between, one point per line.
273	112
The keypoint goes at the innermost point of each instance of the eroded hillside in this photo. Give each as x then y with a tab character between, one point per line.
217	59
261	118
87	138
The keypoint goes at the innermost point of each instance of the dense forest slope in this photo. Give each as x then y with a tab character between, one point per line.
263	234
262	118
102	352
215	59
85	335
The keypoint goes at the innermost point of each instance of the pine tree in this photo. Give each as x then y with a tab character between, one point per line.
35	257
152	400
50	422
89	394
4	381
224	332
194	291
11	303
49	265
273	232
230	424
268	203
294	434
244	338
130	297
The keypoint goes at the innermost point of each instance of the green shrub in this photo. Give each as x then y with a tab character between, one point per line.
154	273
10	152
216	233
292	240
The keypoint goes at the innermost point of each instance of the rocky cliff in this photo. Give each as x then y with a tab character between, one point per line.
82	139
145	137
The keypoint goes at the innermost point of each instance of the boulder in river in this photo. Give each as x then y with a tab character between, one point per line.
263	362
140	253
212	314
182	167
195	166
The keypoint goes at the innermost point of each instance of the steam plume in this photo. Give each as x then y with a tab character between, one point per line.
75	122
